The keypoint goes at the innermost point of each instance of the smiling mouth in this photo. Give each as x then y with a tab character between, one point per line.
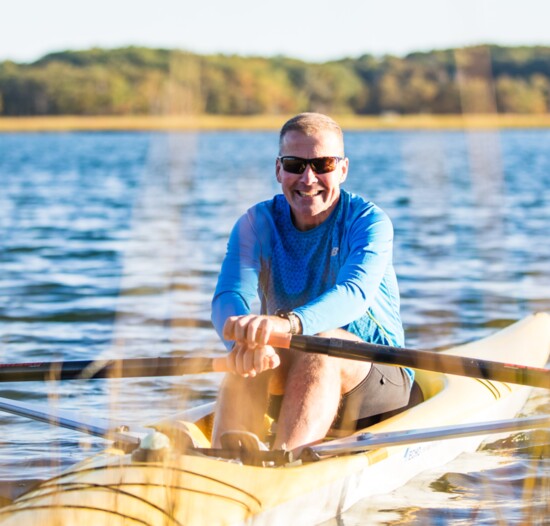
312	193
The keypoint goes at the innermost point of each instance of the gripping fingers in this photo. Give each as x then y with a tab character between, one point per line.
241	360
240	328
249	361
235	327
258	330
273	361
265	358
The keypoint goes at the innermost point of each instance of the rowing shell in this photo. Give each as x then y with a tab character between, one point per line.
183	487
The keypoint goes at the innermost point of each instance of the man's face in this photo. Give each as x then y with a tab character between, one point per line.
312	197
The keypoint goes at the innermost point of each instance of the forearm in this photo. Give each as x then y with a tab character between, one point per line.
336	308
224	306
237	283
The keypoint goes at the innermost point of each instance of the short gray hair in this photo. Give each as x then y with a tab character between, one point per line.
310	124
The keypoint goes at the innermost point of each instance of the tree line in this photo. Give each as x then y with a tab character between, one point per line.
141	81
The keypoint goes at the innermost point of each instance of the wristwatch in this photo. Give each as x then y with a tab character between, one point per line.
292	319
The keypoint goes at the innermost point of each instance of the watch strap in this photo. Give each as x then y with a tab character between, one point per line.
292	320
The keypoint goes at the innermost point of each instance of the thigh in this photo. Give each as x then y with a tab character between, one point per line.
351	372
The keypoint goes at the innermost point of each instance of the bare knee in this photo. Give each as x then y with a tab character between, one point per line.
352	372
304	367
311	367
307	371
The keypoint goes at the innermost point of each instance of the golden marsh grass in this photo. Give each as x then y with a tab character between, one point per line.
266	122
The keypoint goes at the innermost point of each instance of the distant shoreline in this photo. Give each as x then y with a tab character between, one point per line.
265	122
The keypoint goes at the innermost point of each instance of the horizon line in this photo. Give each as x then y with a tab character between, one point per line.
272	56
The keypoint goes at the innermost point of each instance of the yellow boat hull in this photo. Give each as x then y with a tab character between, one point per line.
112	489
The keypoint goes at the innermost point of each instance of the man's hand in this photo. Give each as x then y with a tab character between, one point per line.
251	355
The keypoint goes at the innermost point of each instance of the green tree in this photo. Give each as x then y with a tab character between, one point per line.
522	96
137	80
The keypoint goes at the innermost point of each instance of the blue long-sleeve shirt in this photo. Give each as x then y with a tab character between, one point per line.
339	274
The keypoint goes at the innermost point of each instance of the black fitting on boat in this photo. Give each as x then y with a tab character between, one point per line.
308	455
275	458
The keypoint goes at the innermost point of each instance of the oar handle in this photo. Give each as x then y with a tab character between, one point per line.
219	365
282	340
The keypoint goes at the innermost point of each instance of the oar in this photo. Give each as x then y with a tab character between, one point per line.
366	441
123	434
176	366
418	359
130	438
126	368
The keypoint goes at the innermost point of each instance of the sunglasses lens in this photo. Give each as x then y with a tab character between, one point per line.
320	165
294	166
323	165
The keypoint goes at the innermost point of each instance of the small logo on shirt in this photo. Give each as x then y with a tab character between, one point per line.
334	251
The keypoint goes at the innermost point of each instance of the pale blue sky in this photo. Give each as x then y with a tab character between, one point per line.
313	30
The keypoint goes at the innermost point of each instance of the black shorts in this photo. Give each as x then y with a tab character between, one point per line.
384	392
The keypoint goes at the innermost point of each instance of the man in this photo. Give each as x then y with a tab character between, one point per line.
320	261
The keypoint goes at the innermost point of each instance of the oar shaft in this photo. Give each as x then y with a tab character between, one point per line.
127	368
71	420
426	360
366	441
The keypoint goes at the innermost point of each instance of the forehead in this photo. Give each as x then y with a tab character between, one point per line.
317	144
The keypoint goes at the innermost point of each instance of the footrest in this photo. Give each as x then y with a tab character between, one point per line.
245	446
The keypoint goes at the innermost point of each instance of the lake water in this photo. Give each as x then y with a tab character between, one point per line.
110	244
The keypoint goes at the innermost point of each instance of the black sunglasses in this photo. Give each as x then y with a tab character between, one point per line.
320	165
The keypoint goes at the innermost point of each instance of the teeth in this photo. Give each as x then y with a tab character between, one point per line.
309	194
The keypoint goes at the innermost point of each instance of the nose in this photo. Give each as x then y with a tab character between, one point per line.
308	176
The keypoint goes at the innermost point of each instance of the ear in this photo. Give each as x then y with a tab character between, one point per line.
344	167
278	170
